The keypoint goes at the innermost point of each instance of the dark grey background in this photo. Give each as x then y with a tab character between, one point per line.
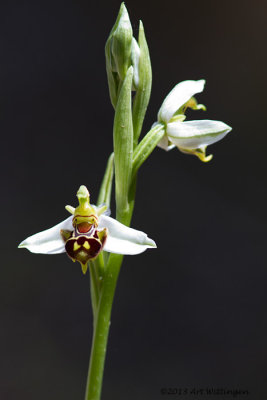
191	313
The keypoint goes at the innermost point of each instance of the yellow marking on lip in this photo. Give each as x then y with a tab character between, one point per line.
76	246
86	245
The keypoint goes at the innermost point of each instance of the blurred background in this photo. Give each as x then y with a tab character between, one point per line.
191	314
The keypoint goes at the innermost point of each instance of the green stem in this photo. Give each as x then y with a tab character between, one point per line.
94	290
146	146
101	329
99	268
103	313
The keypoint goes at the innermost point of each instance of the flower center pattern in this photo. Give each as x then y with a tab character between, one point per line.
85	241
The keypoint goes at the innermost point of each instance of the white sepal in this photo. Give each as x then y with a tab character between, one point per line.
124	240
179	95
120	240
164	144
48	241
195	134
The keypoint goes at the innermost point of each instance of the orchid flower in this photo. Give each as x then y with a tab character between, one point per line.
190	137
85	234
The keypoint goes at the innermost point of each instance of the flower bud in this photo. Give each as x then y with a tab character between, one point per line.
121	45
118	51
142	82
135	57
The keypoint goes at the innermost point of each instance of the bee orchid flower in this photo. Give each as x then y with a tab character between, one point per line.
190	137
86	233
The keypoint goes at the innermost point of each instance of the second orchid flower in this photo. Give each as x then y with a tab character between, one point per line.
190	137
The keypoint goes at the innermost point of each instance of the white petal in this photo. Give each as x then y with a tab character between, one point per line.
124	240
194	134
48	241
164	144
179	95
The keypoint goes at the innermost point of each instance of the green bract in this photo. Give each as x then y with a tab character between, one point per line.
143	90
123	145
106	186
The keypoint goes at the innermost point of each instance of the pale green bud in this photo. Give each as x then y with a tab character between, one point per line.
121	44
135	57
118	52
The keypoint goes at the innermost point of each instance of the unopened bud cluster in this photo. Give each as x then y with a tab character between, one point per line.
122	51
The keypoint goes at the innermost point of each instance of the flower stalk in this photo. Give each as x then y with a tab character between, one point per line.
89	235
101	329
